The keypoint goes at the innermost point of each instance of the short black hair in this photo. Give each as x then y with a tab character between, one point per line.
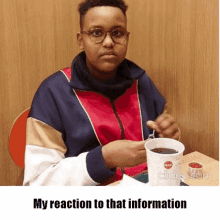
87	4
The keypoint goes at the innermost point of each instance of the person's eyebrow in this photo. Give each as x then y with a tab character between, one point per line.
118	26
96	26
112	28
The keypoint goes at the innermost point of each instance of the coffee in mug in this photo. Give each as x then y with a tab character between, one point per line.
161	150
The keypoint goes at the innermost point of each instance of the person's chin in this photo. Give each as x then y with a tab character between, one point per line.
108	67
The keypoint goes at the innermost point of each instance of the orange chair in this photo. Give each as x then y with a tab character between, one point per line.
17	139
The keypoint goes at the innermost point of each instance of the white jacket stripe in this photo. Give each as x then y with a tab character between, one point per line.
45	166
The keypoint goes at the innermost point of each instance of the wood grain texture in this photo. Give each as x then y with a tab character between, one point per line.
176	42
37	38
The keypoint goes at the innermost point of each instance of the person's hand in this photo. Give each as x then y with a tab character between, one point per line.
166	126
124	153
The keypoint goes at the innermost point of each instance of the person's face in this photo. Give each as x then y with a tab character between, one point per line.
107	18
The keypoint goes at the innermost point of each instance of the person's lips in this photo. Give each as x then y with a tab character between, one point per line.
108	55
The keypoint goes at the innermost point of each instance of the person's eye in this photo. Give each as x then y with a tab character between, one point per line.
96	33
117	33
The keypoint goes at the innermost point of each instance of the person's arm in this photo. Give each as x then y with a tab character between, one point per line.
47	167
45	162
161	121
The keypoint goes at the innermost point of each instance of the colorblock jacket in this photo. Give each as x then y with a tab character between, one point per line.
73	115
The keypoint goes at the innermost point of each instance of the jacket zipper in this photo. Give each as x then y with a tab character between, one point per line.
121	128
119	120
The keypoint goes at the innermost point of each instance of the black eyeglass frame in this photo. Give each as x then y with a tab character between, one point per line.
89	33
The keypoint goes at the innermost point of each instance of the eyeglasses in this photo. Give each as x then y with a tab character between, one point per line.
98	35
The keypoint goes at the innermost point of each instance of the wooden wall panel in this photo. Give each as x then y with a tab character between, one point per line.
37	38
175	41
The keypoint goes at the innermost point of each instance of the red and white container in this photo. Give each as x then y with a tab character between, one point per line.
195	170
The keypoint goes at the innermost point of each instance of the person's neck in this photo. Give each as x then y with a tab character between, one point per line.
99	75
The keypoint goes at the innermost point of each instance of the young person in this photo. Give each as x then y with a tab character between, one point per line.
87	123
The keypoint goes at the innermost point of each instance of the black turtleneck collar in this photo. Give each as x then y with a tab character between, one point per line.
81	79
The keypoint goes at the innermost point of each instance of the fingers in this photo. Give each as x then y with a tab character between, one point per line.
177	135
152	125
164	121
140	158
166	126
133	155
139	145
169	131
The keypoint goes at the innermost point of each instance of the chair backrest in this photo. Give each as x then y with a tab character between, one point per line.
17	139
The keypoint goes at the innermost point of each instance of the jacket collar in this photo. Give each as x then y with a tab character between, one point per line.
81	79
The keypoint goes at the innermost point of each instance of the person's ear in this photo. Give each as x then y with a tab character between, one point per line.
128	37
80	40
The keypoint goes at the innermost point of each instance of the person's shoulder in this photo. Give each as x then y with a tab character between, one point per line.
54	81
56	78
145	78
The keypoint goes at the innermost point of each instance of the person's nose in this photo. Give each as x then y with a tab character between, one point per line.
108	42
